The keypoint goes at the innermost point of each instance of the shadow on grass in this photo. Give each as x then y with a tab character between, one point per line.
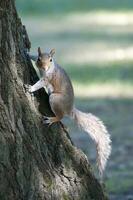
93	35
108	72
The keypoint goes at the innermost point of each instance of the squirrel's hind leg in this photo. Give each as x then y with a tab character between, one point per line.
56	103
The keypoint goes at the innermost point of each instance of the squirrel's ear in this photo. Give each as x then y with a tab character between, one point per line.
39	51
52	52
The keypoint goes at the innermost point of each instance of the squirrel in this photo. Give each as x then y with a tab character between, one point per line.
61	100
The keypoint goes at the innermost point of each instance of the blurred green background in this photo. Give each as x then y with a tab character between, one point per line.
93	42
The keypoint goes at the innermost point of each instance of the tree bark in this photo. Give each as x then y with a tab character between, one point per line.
37	162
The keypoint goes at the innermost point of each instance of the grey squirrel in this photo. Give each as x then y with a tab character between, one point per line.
61	100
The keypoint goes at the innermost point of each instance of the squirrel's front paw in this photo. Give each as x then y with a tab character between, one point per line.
27	88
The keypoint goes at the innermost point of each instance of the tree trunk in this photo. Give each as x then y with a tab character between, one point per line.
37	162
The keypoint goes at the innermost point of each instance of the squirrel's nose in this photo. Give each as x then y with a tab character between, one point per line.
39	59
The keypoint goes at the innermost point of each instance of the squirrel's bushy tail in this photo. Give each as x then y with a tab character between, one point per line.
98	132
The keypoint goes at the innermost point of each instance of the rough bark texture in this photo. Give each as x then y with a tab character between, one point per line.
37	162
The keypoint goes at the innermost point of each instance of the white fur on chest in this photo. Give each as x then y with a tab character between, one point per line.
50	69
44	81
48	75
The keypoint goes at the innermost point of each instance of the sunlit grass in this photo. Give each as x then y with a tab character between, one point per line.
84	38
114	80
112	90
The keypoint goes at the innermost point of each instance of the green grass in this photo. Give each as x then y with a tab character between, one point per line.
121	72
117	184
93	35
59	6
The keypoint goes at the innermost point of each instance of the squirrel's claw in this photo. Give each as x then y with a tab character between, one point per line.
47	120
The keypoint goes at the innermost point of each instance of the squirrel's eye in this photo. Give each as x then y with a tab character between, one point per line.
50	59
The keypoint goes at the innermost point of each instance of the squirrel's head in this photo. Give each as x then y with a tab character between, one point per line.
44	60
